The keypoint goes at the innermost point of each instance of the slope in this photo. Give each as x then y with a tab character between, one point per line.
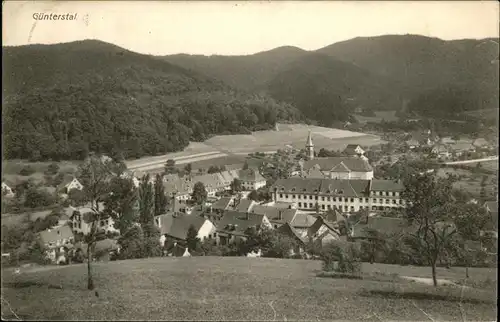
429	67
62	101
327	90
245	72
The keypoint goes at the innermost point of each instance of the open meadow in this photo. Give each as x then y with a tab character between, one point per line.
239	288
222	146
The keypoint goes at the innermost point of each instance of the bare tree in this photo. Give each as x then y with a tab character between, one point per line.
429	210
95	174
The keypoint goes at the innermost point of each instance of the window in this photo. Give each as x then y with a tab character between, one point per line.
315	197
381	200
387	201
352	208
374	208
394	201
334	199
329	207
299	197
311	205
293	196
286	196
352	199
323	198
400	201
310	197
300	204
367	200
375	200
383	193
281	195
323	207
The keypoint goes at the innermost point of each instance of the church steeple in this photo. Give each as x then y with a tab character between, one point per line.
310	147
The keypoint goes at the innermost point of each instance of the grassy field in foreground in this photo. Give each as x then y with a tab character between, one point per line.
235	288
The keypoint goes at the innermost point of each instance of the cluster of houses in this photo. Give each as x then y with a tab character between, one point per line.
308	207
446	147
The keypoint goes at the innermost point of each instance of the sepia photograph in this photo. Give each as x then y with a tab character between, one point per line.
250	160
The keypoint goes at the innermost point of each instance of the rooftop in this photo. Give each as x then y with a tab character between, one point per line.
326	164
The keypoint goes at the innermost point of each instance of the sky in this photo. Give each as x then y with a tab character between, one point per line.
241	28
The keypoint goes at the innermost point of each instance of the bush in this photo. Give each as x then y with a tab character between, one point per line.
27	171
342	258
53	168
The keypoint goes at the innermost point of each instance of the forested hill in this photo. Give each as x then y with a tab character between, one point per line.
62	101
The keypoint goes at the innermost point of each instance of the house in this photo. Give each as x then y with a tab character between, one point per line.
7	191
385	225
420	139
344	195
243	205
56	240
177	226
277	216
72	184
323	231
441	151
354	150
176	249
222	204
103	249
339	168
300	242
251	179
459	148
79	225
234	225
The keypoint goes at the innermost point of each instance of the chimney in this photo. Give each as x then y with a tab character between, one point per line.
280	214
247	217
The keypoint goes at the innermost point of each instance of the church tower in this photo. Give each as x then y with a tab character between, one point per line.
310	147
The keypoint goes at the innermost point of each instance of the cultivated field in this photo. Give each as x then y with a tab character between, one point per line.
469	181
389	116
235	288
222	146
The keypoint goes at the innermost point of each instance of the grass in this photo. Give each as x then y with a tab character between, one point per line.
232	288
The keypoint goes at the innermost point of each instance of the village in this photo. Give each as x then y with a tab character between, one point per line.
310	197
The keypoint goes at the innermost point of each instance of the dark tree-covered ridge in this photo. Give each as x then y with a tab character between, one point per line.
63	101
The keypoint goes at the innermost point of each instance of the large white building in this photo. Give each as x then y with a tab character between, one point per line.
349	167
343	195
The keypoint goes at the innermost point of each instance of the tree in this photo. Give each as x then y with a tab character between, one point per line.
429	209
160	197
192	240
122	203
38	198
253	195
200	194
236	186
170	167
188	168
52	169
146	205
245	166
374	243
76	197
95	175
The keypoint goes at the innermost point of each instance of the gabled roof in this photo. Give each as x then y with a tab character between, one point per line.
52	235
341	167
352	163
177	226
250	175
386	185
288	230
351	149
302	220
273	213
479	142
314	173
331	229
223	203
239	221
244	205
385	225
334	187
